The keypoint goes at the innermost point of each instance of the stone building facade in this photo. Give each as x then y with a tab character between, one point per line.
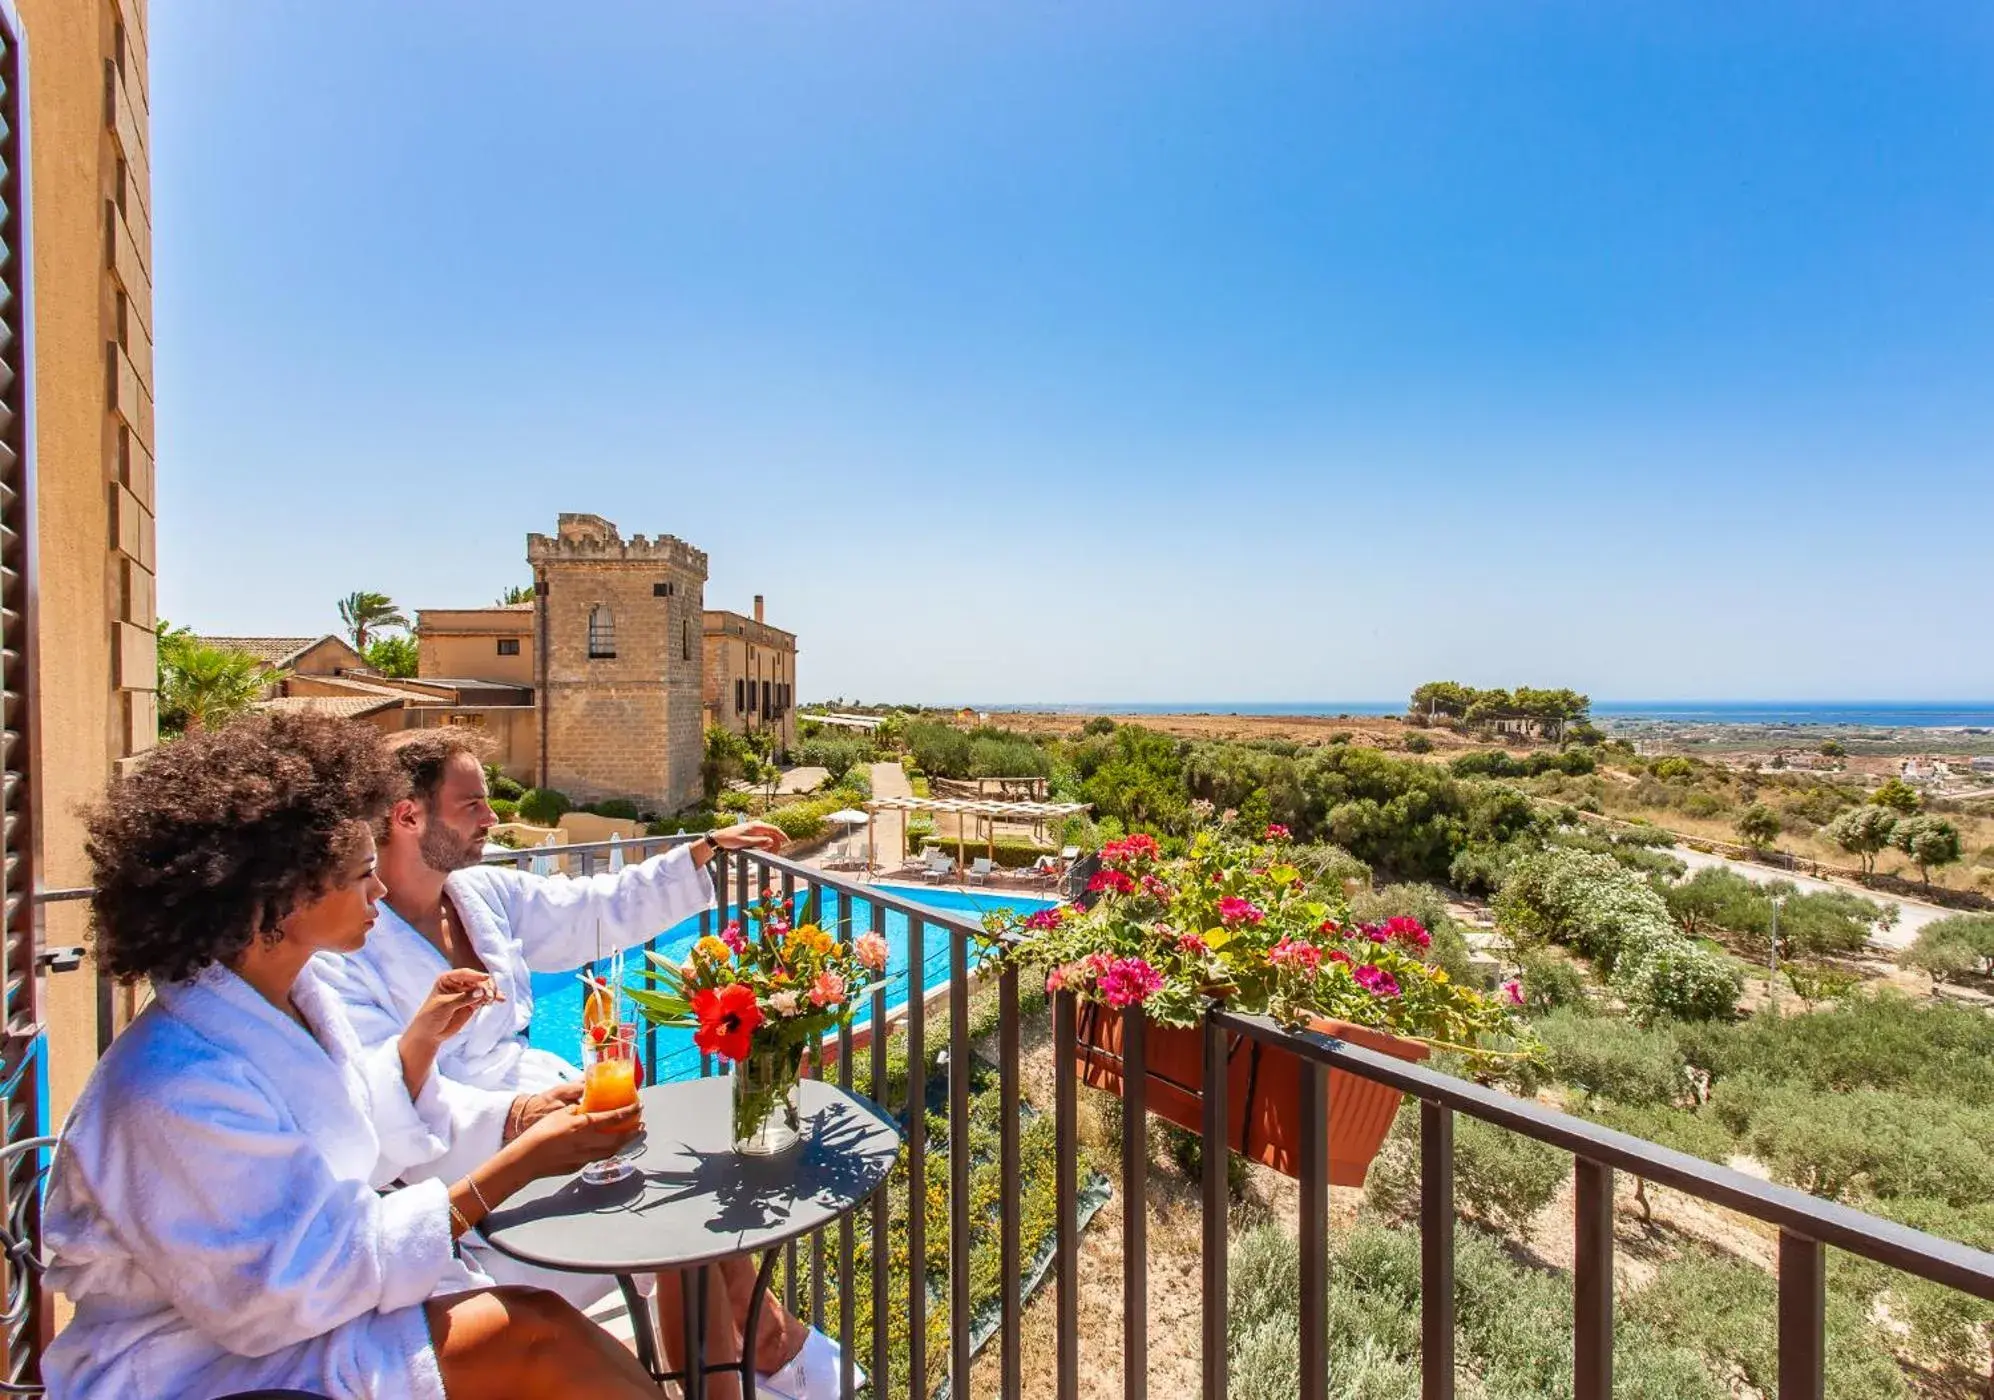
750	674
618	661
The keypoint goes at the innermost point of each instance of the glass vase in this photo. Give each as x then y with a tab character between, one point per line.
765	1118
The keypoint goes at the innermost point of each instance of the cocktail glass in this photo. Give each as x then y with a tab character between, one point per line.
609	1081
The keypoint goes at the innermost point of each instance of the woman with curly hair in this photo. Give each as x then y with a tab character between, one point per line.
214	1211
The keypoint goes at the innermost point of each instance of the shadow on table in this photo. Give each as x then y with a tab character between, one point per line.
841	1159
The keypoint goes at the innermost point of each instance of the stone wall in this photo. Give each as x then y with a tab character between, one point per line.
620	710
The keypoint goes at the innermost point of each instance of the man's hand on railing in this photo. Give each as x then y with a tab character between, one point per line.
747	836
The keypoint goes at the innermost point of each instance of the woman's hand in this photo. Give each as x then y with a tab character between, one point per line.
569	1139
452	1002
529	1109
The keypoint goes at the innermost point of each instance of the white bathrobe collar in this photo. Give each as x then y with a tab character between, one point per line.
485	1051
228	1012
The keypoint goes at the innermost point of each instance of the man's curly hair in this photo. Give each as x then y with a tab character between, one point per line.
424	753
217	837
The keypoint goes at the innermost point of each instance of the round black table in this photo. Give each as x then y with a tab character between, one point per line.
693	1201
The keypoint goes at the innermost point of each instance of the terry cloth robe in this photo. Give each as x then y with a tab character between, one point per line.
213	1214
519	924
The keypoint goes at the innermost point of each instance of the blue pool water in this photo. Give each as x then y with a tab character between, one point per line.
557	997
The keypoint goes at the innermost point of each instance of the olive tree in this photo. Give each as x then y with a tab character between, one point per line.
1928	840
1864	832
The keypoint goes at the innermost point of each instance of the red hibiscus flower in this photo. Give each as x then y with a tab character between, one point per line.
727	1020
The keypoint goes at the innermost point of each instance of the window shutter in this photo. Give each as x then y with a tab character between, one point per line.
27	1320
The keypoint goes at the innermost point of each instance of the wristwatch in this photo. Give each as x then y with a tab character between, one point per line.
712	850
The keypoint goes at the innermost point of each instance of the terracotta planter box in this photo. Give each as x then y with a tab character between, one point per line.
1263	1089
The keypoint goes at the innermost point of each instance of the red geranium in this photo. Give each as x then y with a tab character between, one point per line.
727	1019
1115	880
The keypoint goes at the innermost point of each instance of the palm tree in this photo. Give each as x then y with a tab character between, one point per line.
522	594
204	687
365	613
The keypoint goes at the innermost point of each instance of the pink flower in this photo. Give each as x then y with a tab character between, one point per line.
1513	989
1129	982
1191	943
1275	832
1049	918
731	936
1376	981
1055	980
1234	911
1408	930
827	990
1338	955
1289	953
871	950
1114	880
1137	847
1330	927
1376	934
1157	887
776	927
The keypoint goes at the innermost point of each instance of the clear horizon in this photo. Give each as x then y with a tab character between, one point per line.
1129	350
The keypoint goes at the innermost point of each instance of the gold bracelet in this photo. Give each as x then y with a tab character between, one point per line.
483	1204
463	1225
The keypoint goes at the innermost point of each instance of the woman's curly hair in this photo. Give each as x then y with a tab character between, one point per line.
218	836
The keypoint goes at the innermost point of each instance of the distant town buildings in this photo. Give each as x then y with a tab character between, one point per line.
601	686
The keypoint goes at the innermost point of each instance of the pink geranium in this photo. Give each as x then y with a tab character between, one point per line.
1275	832
1157	887
1404	929
1290	953
1137	847
1191	943
1376	981
871	950
1115	880
1338	955
1129	982
731	936
1044	919
1331	928
1234	911
1513	989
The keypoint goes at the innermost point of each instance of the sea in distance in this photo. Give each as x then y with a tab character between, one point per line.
1880	714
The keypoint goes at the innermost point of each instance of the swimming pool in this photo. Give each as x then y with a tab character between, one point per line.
557	996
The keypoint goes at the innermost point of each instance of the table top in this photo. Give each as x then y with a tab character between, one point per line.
693	1199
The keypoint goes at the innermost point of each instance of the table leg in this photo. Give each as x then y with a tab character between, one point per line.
639	1308
692	1309
751	1325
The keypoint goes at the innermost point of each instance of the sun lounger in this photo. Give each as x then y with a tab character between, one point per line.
981	869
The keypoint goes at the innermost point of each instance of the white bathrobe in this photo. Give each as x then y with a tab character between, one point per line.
519	924
213	1214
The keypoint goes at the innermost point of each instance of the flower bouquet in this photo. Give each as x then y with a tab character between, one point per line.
1238	921
760	994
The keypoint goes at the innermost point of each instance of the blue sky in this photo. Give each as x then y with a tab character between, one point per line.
1138	351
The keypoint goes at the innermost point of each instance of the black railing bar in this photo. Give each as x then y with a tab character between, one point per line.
650	845
1886	1242
1010	1304
1135	1204
960	1331
879	1201
913	908
1216	1154
917	1170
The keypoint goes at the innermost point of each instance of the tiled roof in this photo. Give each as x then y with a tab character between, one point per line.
339	706
271	651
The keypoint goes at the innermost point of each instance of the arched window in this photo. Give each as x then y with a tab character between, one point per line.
602	634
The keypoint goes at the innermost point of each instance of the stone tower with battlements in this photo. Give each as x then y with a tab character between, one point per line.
618	663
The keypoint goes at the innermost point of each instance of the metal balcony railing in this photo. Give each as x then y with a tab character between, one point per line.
1806	1224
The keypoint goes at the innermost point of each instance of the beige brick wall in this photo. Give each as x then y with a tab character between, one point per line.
739	648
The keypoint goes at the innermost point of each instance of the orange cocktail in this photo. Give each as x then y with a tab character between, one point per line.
609	1084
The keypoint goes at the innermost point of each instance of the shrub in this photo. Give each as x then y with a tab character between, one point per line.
939	749
1686	1130
1865	1142
1882	1040
1953	946
1476	870
500	786
1500	1177
687	821
1418	743
838	756
1758	825
735	802
504	808
1818	984
544	806
1610	1058
1929	841
1681	979
618	808
1007	758
1551	981
1863	832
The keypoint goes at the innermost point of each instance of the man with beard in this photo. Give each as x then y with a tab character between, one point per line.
446	909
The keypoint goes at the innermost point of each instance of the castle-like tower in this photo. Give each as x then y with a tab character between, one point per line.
618	661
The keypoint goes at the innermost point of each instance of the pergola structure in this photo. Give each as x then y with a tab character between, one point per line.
988	810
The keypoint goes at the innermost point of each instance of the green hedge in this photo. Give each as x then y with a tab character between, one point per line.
1010	854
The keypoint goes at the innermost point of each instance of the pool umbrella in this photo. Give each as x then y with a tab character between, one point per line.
847	818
